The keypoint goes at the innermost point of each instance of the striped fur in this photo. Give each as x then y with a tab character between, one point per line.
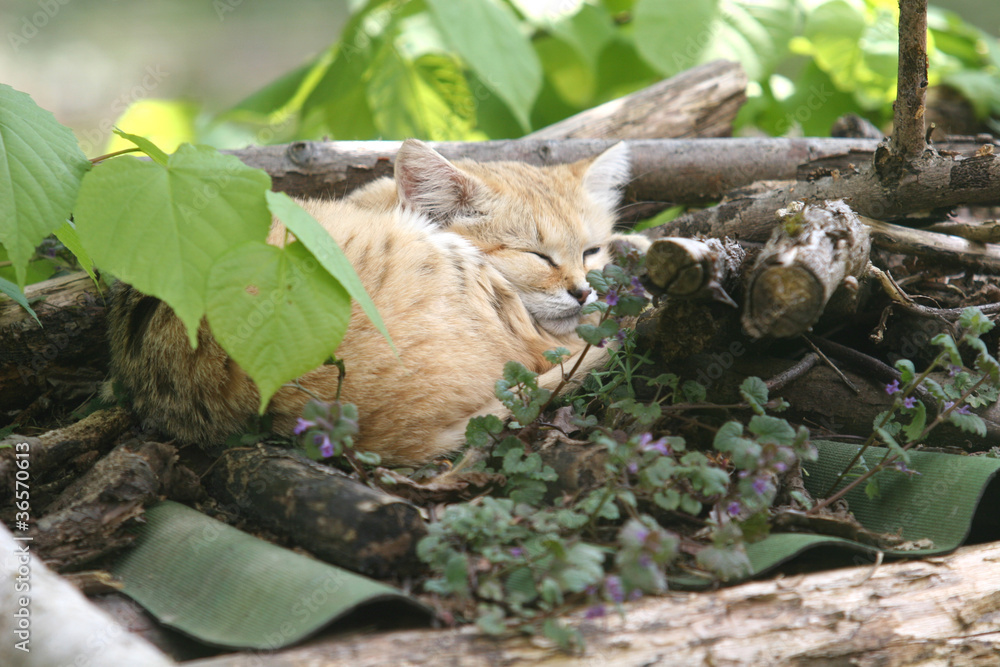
470	265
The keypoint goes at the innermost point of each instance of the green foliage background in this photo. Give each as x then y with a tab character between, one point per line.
478	69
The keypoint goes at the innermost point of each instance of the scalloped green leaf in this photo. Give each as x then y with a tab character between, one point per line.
174	219
275	312
41	167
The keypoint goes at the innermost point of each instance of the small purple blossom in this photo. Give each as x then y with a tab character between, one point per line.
964	410
637	288
645	561
635	595
647	444
953	370
892	387
781	466
597	611
910	402
633	468
516	552
302	425
325	446
734	508
948	405
613	587
760	485
612	297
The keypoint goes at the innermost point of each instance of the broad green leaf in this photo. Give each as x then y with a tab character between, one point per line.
325	249
917	422
974	320
969	423
671	36
949	345
175	221
68	237
14	292
41	167
486	35
275	312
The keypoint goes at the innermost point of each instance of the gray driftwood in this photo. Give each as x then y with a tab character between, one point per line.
939	611
699	102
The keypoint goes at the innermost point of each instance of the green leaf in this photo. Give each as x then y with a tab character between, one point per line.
595	335
325	249
894	446
68	237
948	343
275	312
728	562
665	30
906	371
754	391
175	220
969	423
772	430
146	146
917	423
41	167
14	292
973	319
486	35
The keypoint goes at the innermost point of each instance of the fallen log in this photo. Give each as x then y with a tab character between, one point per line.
937	611
319	508
699	102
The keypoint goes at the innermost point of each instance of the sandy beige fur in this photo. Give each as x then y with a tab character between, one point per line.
469	264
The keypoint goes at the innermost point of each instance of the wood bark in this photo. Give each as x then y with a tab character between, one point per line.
72	335
91	518
319	508
939	611
56	457
932	182
814	251
699	102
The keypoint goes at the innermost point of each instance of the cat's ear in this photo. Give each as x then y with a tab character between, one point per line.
428	183
607	175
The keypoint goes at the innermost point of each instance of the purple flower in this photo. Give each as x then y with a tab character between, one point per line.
516	552
964	410
647	444
597	611
633	468
901	467
734	508
612	297
948	405
644	560
635	594
953	370
613	587
909	402
781	466
760	485
637	288
892	387
325	446
301	425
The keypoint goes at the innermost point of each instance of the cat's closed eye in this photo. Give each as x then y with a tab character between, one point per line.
545	257
589	252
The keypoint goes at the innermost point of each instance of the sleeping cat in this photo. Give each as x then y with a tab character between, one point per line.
470	265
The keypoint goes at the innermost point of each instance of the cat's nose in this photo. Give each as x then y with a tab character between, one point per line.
580	294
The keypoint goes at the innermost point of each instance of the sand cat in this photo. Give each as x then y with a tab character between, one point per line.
470	265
